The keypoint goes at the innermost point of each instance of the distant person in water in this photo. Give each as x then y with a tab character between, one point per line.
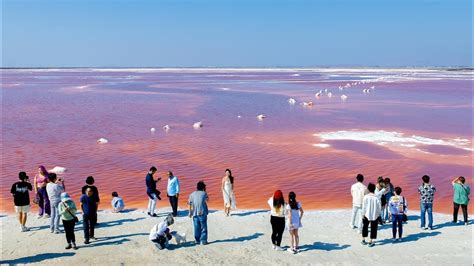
398	207
67	210
198	211
89	211
151	191
371	208
295	214
227	187
358	191
427	192
40	181
460	198
21	199
160	234
390	192
54	188
117	202
277	219
90	184
173	192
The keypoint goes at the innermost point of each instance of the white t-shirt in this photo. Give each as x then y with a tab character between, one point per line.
274	212
358	191
54	192
158	230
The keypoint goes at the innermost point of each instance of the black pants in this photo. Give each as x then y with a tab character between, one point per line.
89	222
373	228
69	230
174	204
278	226
456	209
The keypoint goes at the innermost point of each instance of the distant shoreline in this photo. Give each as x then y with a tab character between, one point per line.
448	68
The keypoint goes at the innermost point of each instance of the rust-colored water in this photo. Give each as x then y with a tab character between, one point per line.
54	117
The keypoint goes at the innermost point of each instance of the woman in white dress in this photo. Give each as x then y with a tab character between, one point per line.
295	214
228	192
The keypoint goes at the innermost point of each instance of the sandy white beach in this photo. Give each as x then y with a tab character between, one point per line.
243	238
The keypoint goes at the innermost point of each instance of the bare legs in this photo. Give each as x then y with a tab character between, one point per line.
295	239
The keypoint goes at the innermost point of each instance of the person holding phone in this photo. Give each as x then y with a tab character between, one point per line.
21	199
151	191
460	198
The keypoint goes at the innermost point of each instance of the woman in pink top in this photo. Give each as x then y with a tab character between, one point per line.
41	179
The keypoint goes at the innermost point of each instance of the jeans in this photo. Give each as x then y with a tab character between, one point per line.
174	204
152	199
456	210
356	218
397	221
373	228
200	228
43	203
54	222
278	226
89	221
426	207
69	230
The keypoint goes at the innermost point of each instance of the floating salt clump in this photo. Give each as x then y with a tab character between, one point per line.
295	75
58	170
261	117
225	89
341	88
318	94
329	94
102	140
343	97
373	87
307	103
166	127
291	101
152	129
198	124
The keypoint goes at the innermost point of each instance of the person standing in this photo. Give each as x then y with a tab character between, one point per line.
39	183
198	212
427	192
398	207
95	191
295	214
67	210
21	199
151	191
173	192
227	188
277	219
371	208
54	188
89	210
380	191
460	198
390	192
358	191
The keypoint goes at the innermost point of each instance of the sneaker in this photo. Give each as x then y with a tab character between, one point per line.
371	244
52	231
74	246
292	251
394	240
363	242
39	216
57	232
273	247
279	248
68	246
93	238
425	228
399	240
430	228
46	216
352	226
465	223
203	243
149	214
87	242
25	229
154	215
297	250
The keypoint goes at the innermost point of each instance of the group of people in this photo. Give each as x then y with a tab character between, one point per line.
379	203
372	205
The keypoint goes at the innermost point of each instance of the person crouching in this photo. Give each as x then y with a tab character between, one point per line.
160	233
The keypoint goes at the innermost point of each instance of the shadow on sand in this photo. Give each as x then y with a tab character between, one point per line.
409	238
37	258
450	224
248	213
323	246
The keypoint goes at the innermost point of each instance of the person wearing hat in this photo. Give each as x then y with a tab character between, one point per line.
198	211
21	198
67	209
160	233
277	206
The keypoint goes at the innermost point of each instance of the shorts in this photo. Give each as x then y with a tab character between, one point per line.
22	209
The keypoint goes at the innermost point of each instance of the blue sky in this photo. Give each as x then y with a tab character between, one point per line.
224	33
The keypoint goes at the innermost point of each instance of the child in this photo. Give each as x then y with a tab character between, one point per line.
21	198
398	207
117	202
295	214
160	234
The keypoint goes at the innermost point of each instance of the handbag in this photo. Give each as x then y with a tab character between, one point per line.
75	217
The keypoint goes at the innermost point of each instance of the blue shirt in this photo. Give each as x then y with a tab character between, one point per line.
173	186
89	205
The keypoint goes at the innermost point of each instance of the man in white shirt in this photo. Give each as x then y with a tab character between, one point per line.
371	209
358	191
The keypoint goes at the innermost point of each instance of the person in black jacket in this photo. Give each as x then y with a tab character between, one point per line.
151	191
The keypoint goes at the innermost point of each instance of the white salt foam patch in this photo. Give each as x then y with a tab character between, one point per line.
383	137
321	145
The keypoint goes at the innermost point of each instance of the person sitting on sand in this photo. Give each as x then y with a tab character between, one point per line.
460	198
227	187
21	199
358	191
427	192
54	188
89	214
371	209
198	211
151	191
117	202
160	233
398	208
67	210
295	214
277	219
